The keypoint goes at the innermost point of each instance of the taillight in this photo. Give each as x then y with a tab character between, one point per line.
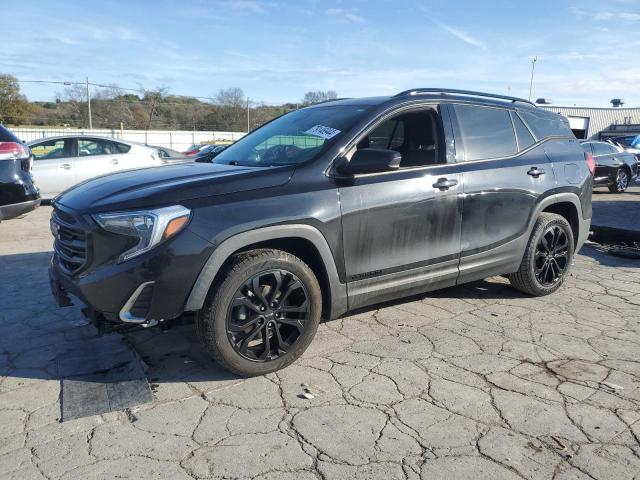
13	151
591	163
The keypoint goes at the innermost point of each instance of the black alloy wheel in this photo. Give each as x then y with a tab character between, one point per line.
552	256
267	315
547	259
622	180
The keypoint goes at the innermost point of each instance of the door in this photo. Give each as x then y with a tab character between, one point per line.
54	166
401	229
96	157
607	163
506	173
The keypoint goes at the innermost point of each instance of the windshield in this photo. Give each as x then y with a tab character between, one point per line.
293	138
630	141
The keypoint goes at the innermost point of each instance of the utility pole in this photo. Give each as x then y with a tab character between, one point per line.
89	105
533	67
248	114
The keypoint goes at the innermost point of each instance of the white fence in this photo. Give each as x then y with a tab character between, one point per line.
176	139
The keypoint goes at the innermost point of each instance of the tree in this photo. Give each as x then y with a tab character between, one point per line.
319	96
14	107
231	113
231	97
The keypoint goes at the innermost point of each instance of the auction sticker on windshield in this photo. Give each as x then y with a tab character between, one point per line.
322	131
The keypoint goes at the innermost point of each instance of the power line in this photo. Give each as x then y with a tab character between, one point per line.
139	90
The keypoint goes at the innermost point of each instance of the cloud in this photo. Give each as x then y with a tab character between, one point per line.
350	16
463	36
457	32
607	15
245	6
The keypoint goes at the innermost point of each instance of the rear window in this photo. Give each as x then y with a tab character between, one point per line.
486	132
122	147
587	147
547	125
7	136
525	139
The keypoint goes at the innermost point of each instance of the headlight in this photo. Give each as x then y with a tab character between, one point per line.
150	227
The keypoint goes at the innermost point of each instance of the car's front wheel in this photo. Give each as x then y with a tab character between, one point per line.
621	183
262	313
547	258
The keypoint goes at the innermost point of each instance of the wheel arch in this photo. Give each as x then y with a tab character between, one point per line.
569	212
568	205
303	241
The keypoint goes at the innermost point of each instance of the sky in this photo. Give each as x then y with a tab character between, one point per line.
587	51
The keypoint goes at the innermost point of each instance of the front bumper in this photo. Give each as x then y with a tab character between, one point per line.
8	212
113	289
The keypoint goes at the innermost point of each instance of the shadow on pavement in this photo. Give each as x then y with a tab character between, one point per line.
97	373
600	255
101	373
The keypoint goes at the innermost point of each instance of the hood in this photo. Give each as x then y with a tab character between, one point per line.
147	187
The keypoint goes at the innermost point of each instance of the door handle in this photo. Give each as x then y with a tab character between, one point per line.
445	184
66	166
114	161
535	172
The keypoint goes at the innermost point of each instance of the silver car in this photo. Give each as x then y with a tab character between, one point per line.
61	162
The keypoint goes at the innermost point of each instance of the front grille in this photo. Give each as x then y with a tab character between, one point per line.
70	243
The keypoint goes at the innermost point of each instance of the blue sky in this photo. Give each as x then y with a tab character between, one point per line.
588	51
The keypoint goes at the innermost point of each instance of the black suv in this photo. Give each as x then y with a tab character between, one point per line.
325	210
18	194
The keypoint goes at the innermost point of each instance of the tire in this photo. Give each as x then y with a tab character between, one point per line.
532	277
621	182
237	325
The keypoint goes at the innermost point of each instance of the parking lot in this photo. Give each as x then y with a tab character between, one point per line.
476	381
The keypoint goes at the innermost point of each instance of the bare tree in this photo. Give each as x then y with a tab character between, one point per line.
231	113
231	97
154	98
318	96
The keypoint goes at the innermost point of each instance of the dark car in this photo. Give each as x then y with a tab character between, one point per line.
18	193
630	143
615	167
325	210
195	148
208	153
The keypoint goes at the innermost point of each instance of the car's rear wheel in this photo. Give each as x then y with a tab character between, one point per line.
262	313
621	183
547	258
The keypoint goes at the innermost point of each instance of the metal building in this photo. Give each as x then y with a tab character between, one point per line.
600	123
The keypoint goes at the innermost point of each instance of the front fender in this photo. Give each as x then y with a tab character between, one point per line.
236	242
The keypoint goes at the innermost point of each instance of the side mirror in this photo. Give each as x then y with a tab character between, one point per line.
370	160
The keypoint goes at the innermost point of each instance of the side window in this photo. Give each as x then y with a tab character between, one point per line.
95	146
547	124
614	149
414	135
587	147
52	149
122	147
600	149
486	132
388	135
525	139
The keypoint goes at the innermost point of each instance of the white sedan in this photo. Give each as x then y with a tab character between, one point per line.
61	162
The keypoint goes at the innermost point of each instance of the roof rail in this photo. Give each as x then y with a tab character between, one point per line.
445	91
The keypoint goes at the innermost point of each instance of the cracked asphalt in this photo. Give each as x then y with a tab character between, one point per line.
470	382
